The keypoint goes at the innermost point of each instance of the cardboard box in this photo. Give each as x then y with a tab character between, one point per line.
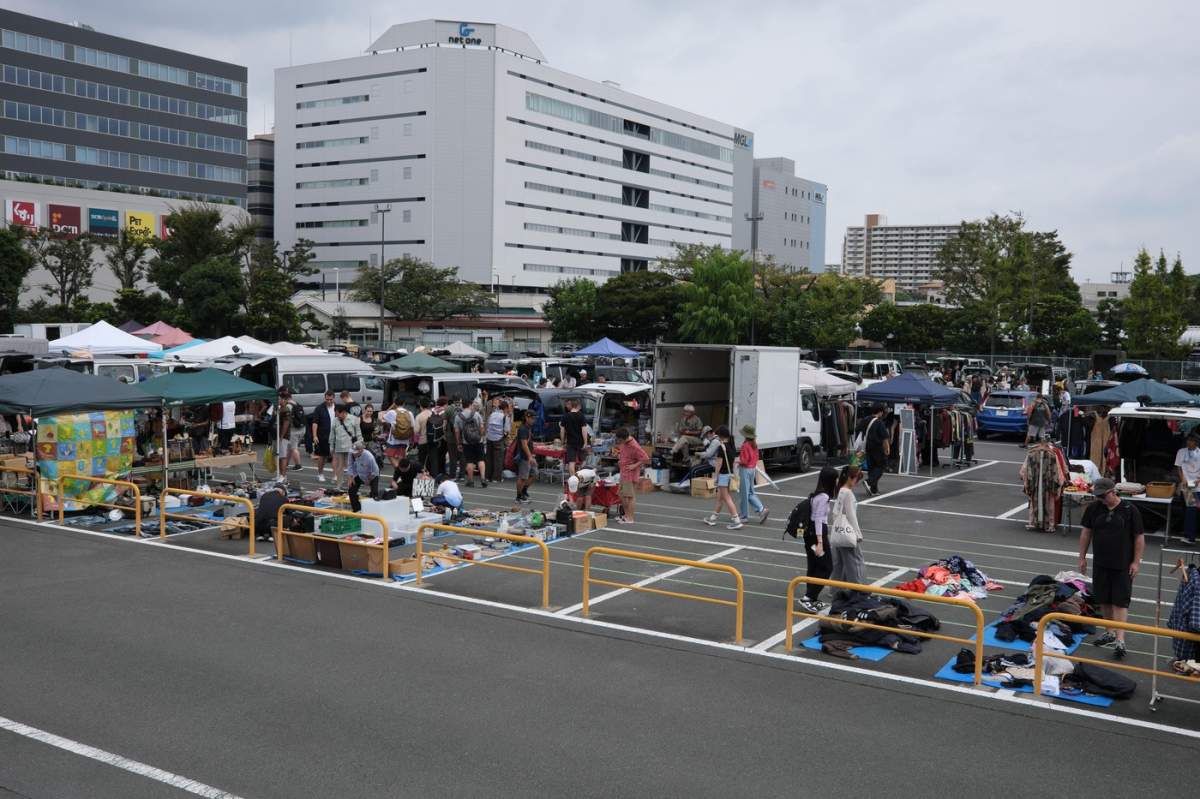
406	566
599	520
646	485
470	551
299	547
360	558
704	487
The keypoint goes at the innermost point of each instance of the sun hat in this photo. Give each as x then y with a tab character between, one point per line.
748	430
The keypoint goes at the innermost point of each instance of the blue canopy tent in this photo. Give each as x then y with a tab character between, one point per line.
169	354
605	348
906	388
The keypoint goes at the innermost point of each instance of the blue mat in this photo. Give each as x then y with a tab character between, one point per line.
947	672
863	652
990	639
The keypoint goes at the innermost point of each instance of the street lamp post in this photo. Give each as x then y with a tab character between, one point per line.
337	277
753	219
382	210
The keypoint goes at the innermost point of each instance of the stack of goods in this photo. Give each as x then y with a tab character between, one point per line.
1079	484
839	632
1128	489
1060	677
954	576
1045	595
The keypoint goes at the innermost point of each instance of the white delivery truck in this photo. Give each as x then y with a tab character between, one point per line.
734	385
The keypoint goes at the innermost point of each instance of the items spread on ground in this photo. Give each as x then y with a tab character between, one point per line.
955	577
838	631
1044	595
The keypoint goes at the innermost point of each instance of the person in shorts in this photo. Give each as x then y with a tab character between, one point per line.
574	431
630	460
1112	527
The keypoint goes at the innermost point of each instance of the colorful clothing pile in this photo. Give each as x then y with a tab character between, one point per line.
1046	595
1044	475
953	577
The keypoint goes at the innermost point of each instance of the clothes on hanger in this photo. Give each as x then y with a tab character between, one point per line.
1185	614
1044	475
1098	439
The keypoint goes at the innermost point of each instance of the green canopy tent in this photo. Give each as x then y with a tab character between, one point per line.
420	363
1145	391
44	392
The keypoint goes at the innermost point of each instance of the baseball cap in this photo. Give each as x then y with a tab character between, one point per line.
1102	487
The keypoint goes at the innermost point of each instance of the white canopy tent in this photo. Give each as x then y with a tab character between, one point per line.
221	347
464	350
288	348
827	385
104	339
253	345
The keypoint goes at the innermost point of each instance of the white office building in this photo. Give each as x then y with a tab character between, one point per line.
518	174
791	228
906	253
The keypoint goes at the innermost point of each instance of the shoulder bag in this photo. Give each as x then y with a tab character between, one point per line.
841	532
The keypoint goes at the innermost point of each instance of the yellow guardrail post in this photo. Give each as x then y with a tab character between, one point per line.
162	510
738	604
1039	653
524	539
977	644
35	489
137	497
280	532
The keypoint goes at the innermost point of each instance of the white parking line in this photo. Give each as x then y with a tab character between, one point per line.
1014	511
117	761
930	481
942	512
768	643
567	611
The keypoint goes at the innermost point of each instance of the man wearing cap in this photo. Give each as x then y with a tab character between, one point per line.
687	432
1113	527
1187	461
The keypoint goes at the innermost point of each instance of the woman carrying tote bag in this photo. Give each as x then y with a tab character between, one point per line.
724	478
845	536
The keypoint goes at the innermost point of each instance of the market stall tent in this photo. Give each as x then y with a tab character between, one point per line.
45	392
605	348
130	326
464	350
288	348
104	339
204	387
222	347
1145	391
162	333
420	363
826	384
174	354
908	387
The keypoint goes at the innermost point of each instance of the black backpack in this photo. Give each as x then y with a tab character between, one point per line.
799	523
435	428
298	416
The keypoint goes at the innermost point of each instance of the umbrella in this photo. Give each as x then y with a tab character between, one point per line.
1128	368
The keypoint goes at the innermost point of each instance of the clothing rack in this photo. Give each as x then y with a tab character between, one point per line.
1188	557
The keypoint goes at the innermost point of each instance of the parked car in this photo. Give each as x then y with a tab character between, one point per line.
1004	412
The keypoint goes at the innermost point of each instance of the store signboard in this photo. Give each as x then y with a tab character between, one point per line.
104	222
140	223
66	220
23	213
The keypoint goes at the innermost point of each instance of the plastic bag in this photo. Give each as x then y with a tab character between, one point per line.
269	459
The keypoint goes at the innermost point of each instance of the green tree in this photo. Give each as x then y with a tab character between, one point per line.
196	237
270	282
819	311
418	290
926	328
571	310
1180	286
125	256
16	262
969	329
212	294
717	297
638	306
69	264
1110	315
1153	322
339	326
1065	327
888	324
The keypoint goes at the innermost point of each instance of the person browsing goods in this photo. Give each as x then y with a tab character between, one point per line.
630	460
1187	462
1112	528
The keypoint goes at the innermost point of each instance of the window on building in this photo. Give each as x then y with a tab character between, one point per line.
407	173
407	128
406	215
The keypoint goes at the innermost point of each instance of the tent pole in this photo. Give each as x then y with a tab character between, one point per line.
931	409
165	449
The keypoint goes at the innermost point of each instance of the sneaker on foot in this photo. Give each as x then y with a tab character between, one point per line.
1119	650
623	520
320	478
711	520
762	516
1109	639
809	605
736	524
483	483
296	467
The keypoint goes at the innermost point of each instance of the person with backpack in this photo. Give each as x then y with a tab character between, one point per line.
400	425
291	433
434	459
722	475
809	523
454	460
468	432
421	428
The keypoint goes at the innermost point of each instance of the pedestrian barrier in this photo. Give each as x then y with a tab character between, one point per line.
738	603
977	644
420	554
137	497
183	492
34	491
381	549
1039	653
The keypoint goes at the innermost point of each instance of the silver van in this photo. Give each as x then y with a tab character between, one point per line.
307	376
408	387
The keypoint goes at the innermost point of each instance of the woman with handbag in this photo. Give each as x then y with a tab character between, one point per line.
817	551
723	476
845	536
747	472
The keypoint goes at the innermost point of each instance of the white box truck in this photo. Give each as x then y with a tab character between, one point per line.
735	386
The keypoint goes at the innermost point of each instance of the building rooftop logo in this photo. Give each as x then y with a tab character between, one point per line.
464	29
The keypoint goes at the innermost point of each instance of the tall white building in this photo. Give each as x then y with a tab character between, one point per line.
905	253
792	228
490	160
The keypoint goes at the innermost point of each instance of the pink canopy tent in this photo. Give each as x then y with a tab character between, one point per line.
162	333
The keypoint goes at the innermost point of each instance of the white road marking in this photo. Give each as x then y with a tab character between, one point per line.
941	512
930	481
795	476
1014	511
652	579
117	761
767	643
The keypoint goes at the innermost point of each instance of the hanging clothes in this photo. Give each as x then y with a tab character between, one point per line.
1098	440
1044	476
1185	614
1111	467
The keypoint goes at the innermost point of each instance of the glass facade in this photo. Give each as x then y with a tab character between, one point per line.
35	148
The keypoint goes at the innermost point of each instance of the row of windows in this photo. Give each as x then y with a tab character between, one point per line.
599	159
612	218
333	223
105	185
562	249
598	119
332	184
344	142
685	212
607	180
265	164
49	82
586	195
332	101
803	245
337	264
35	148
38	45
44	115
791	215
572	231
328	122
567	270
361	77
688	179
362	202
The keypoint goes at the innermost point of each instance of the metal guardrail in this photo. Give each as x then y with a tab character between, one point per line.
544	571
162	510
137	497
977	644
738	604
34	492
1039	649
280	532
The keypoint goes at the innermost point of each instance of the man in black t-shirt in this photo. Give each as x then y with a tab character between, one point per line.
574	432
1113	528
877	445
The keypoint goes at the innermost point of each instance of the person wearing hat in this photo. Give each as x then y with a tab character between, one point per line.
1112	528
706	462
362	470
687	432
1187	462
630	460
747	470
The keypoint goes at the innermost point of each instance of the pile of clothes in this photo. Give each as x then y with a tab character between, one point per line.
1044	595
954	576
839	632
1059	675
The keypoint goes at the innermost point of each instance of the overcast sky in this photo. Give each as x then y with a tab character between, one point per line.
1082	115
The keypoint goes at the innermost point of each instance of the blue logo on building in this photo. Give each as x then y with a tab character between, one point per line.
465	35
465	29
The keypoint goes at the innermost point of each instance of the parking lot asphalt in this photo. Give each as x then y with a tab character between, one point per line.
262	680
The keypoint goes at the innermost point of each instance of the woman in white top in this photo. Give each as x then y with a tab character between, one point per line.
816	538
848	565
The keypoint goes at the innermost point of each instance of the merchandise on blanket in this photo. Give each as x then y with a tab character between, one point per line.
1099	680
1045	595
1185	613
849	607
954	576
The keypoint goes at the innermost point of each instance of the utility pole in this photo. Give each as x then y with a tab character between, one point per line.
382	210
753	219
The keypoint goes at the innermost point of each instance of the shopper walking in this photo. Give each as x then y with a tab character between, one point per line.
816	538
1039	420
499	426
1113	527
722	465
747	471
630	459
345	435
848	565
321	427
469	432
878	445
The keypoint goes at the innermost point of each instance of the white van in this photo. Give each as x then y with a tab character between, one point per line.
408	387
871	371
127	370
307	376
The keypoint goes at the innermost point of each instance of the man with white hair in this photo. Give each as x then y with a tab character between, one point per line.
687	432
